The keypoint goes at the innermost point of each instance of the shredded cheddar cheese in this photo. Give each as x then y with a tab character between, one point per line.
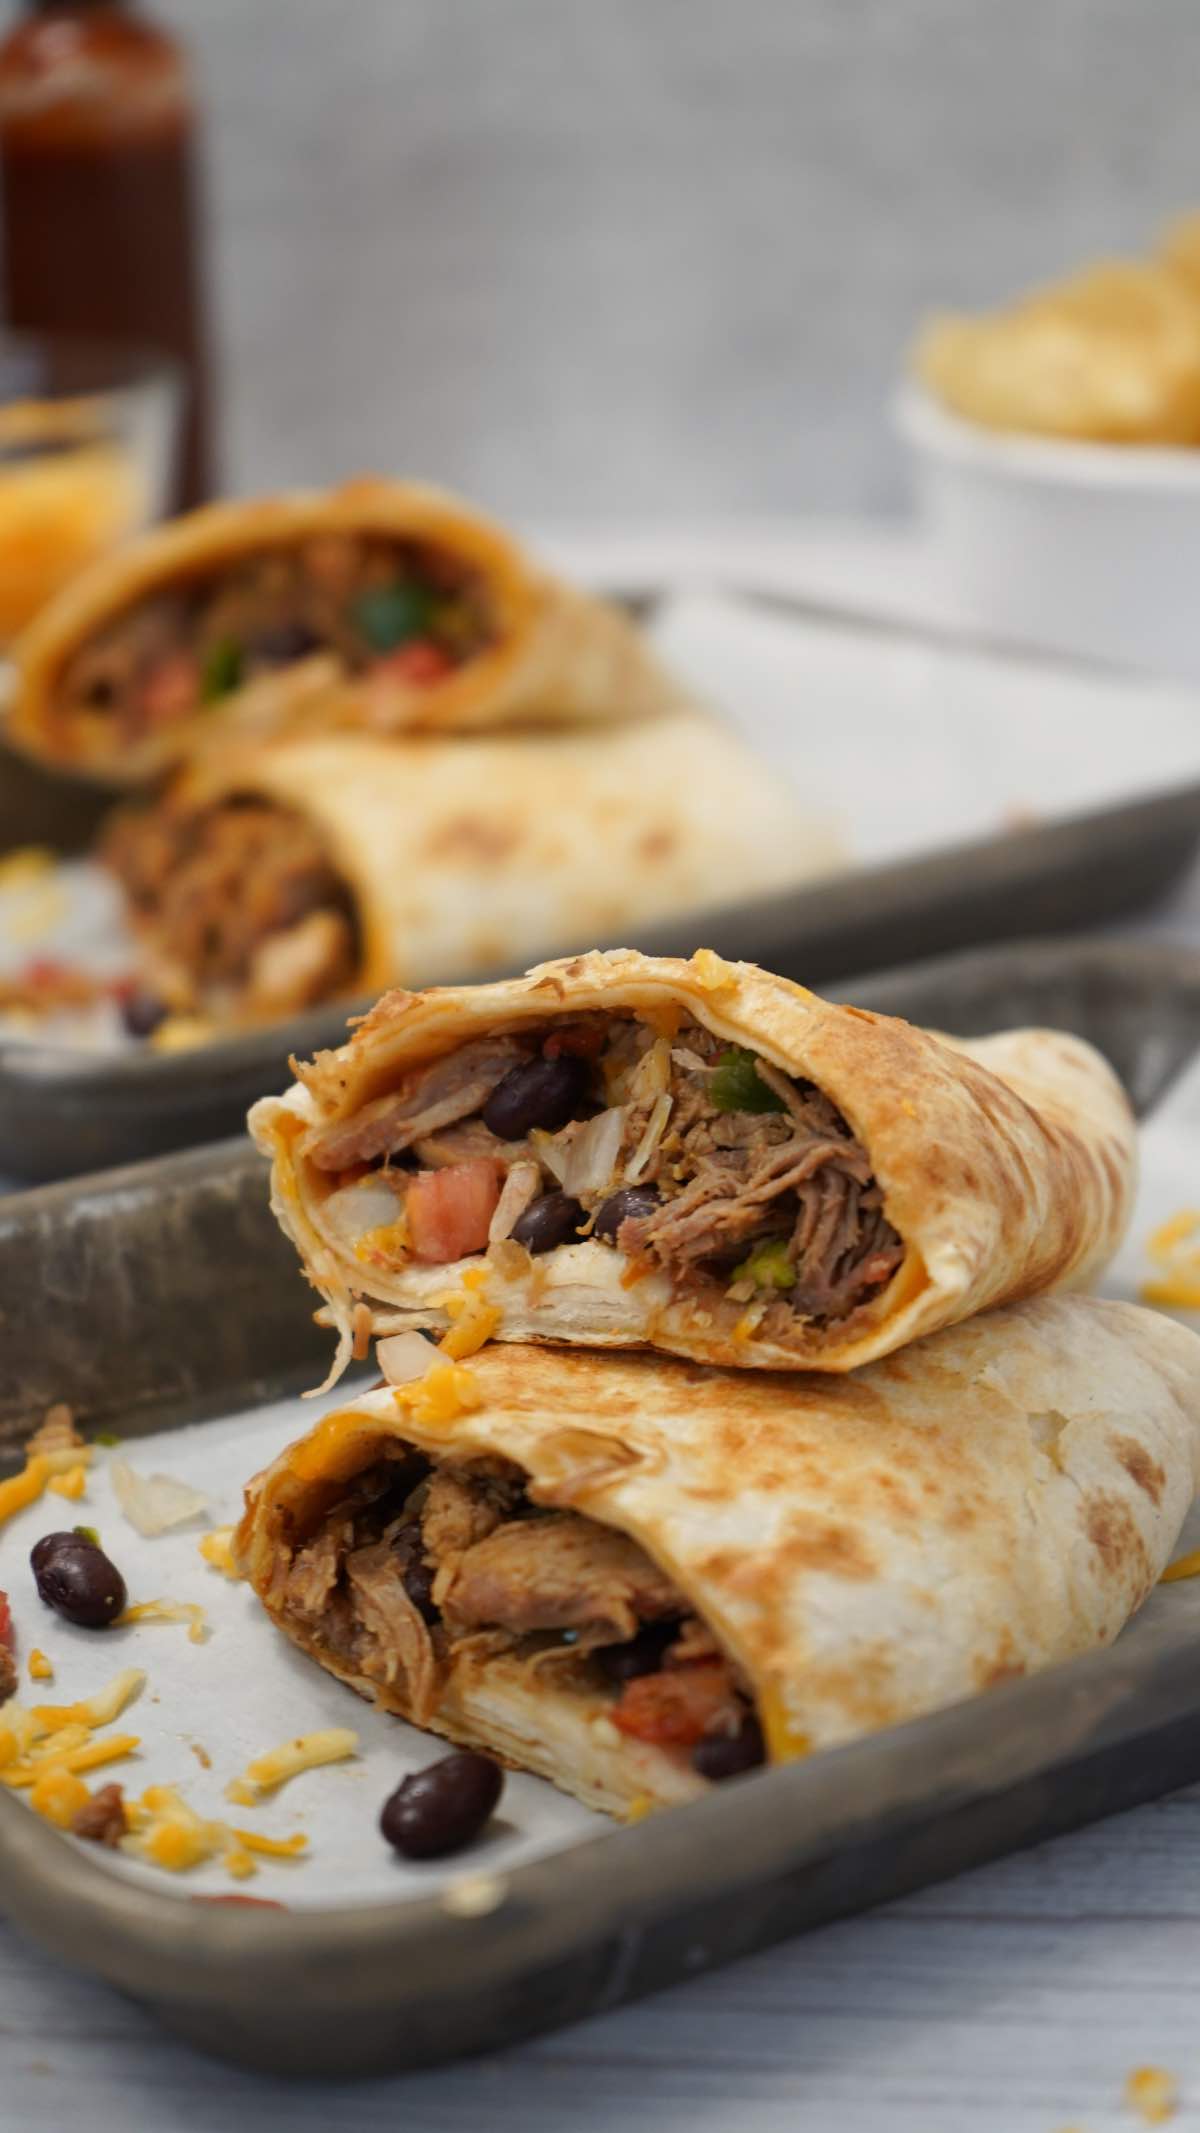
164	1830
91	1711
1184	1566
786	1742
26	1487
310	1751
39	1666
88	1756
58	1795
385	1245
1173	1248
473	1321
168	1611
179	1033
639	1807
217	1549
711	972
71	1484
446	1391
1153	2093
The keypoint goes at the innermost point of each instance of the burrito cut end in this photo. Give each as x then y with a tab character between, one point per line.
693	1156
638	1576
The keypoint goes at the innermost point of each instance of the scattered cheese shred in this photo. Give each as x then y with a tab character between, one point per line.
217	1549
1174	1248
179	1033
1153	2093
168	1611
98	1710
29	863
1185	1566
166	1831
474	1324
310	1751
71	1484
386	1245
446	1391
786	1742
639	1807
26	1487
89	1756
711	972
58	1795
40	1668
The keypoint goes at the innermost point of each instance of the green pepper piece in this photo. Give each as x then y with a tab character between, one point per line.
87	1533
767	1266
736	1086
222	669
389	615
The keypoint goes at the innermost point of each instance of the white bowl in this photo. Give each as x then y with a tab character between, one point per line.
1091	549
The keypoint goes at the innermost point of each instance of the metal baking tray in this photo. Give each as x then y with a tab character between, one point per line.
160	1294
63	1112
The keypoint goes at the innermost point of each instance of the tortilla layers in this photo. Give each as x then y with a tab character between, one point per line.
381	604
275	876
620	1151
635	1576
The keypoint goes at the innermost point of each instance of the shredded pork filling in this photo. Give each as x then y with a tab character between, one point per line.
405	608
238	905
684	1153
422	1568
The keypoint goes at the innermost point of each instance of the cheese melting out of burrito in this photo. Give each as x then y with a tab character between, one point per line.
635	1577
275	876
381	604
623	1151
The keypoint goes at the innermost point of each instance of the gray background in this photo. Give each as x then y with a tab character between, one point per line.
662	256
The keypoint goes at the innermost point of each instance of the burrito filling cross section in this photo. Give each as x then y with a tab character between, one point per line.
682	1152
425	1569
407	611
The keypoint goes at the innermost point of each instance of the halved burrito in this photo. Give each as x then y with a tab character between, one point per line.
262	611
625	1151
276	876
636	1577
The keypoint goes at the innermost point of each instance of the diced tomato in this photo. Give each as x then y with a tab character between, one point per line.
449	1210
674	1709
418	663
171	689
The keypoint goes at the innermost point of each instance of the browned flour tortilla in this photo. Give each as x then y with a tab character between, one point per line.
634	1576
380	604
624	1151
281	873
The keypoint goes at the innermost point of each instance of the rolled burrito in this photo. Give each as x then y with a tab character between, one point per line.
381	604
282	874
627	1151
636	1576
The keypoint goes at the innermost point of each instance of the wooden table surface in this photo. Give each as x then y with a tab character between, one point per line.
1013	2000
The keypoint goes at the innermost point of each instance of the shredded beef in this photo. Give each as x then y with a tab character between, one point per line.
238	899
557	1572
433	1096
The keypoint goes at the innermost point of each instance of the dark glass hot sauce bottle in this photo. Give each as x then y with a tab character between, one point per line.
101	207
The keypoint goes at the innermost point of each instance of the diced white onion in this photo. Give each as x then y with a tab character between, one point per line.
690	1060
153	1503
552	1150
656	1126
521	1186
351	1212
592	1156
404	1356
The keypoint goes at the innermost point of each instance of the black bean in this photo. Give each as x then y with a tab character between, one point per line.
278	647
727	1755
538	1092
76	1579
552	1220
141	1013
440	1809
631	1203
642	1654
